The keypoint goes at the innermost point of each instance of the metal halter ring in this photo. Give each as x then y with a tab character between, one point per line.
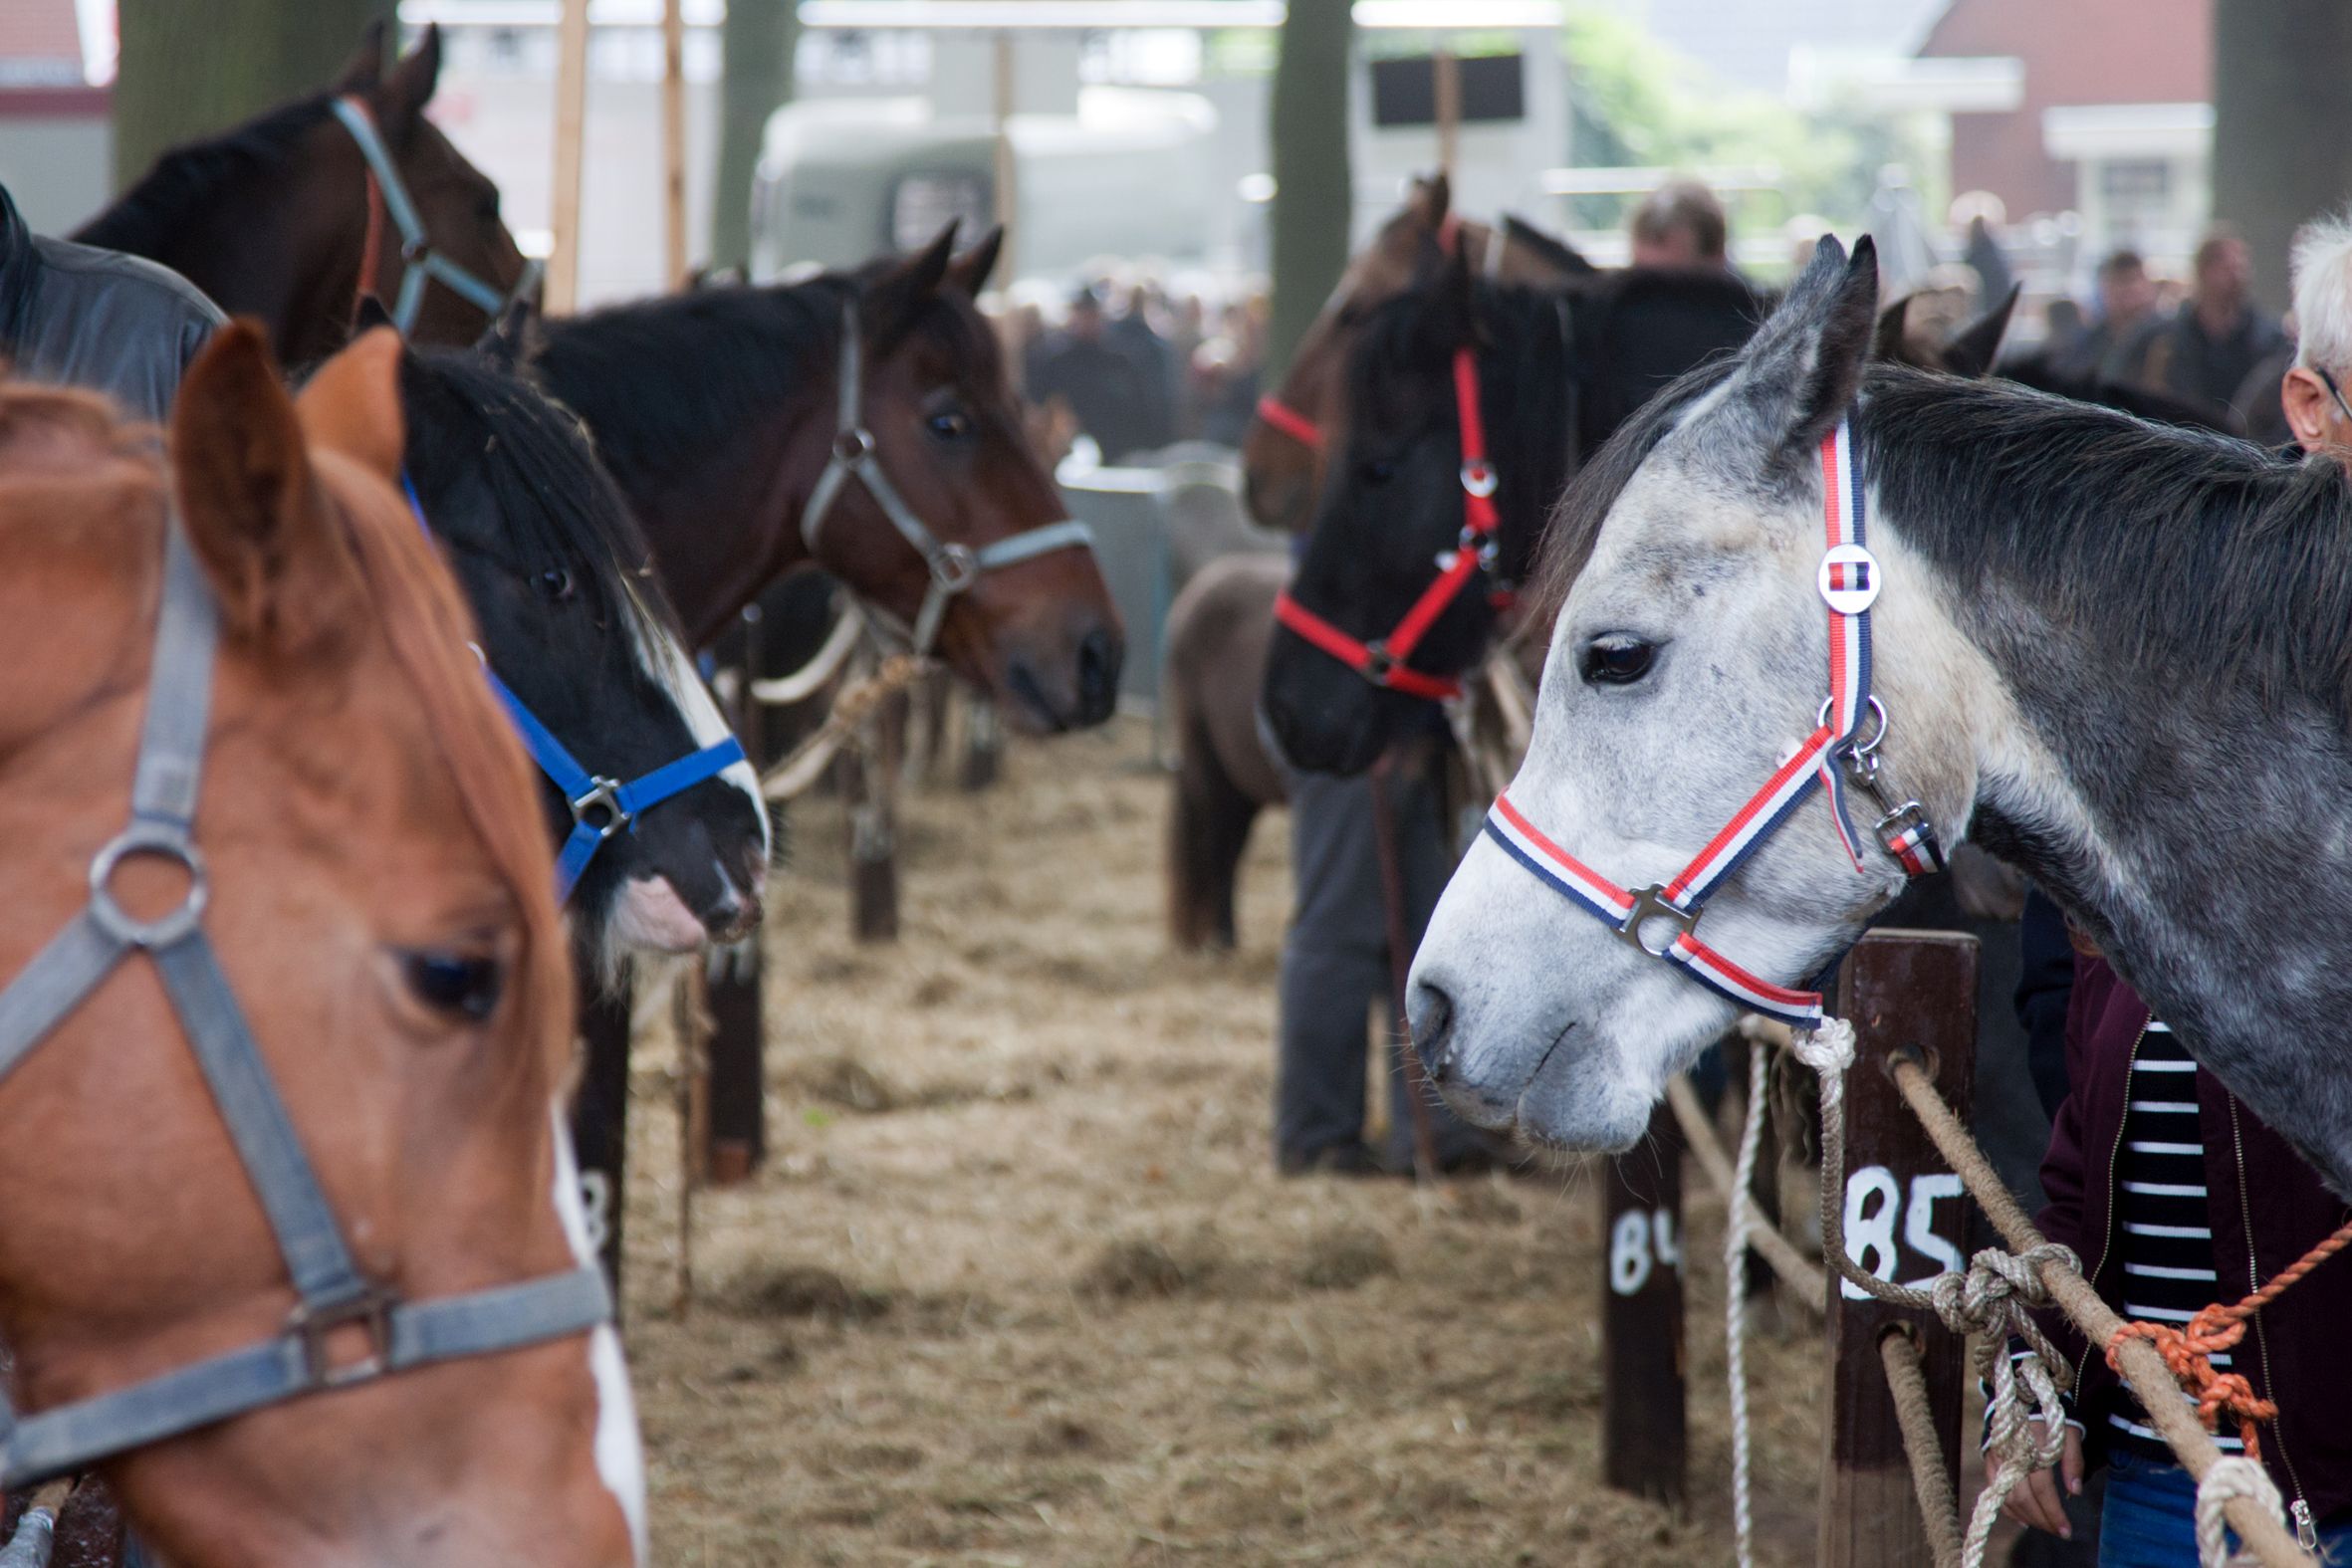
147	838
311	1326
1651	903
604	795
854	445
1485	547
1378	663
1860	750
1479	477
955	567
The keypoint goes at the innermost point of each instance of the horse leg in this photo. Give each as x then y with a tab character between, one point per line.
1209	822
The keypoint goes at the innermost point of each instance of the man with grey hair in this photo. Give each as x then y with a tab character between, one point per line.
2312	390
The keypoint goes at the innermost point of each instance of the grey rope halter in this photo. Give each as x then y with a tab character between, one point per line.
955	566
329	1288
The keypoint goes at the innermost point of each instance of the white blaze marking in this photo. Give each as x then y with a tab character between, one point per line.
620	1459
663	659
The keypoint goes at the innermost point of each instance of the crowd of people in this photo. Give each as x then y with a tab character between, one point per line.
1155	371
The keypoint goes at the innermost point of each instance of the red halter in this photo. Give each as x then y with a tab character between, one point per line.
1383	662
1291	422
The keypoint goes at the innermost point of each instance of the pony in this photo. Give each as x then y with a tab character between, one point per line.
1555	370
1218	630
2086	625
283	219
368	878
1282	452
575	625
719	415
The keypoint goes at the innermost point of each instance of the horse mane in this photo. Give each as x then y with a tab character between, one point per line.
551	496
149	217
2201	559
665	383
1564	258
2036	372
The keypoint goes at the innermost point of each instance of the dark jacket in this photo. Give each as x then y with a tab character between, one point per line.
97	318
2267	1209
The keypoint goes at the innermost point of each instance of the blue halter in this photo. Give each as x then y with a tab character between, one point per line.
600	805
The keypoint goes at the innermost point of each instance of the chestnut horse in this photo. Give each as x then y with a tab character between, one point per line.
283	218
1295	429
336	871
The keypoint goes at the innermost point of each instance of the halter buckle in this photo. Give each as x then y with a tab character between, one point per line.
600	809
1906	834
1379	663
311	1326
954	568
1479	478
1651	903
164	842
1482	544
854	445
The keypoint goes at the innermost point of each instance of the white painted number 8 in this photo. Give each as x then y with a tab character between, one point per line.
1639	1242
1870	1237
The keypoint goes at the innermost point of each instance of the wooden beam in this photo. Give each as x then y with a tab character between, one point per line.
561	292
673	138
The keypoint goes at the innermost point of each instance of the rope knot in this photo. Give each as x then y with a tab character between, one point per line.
2188	1351
2232	1477
1827	1049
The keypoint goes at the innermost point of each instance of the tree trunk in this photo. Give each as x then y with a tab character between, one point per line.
756	80
2282	73
1312	198
191	70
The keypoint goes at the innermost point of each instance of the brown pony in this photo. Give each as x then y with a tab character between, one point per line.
1217	631
1282	452
274	218
378	886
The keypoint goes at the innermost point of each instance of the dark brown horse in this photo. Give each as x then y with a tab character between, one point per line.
1217	631
375	884
1282	453
280	219
718	412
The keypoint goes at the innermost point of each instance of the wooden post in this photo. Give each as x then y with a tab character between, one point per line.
737	1091
1764	1184
673	138
561	292
1905	1220
984	744
1446	90
1644	1439
1007	169
600	1119
866	779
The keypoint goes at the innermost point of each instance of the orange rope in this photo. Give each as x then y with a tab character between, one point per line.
2187	1350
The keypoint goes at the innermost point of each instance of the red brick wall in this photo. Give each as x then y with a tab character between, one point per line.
2078	52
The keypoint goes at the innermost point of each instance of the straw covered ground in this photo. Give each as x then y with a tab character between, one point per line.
1018	1285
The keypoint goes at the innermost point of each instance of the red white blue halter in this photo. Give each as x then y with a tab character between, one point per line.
1837	754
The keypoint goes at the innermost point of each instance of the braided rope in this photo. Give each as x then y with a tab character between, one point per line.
1739	1225
2236	1476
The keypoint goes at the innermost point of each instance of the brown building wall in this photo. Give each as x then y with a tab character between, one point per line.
2074	51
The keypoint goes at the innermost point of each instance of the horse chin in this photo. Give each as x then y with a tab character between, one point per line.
648	914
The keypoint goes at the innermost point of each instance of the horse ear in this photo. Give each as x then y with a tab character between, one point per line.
252	505
365	69
372	312
1432	196
351	404
1887	341
1974	347
1804	367
400	101
969	272
507	341
901	293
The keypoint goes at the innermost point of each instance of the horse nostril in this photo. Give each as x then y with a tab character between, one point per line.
1099	675
732	914
1431	1017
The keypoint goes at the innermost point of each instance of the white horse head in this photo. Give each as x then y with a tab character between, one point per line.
1689	661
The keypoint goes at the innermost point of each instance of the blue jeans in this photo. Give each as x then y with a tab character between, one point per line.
2150	1518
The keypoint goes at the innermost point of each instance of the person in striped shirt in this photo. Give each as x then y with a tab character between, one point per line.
2175	1196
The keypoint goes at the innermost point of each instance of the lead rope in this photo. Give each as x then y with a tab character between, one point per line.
1742	1216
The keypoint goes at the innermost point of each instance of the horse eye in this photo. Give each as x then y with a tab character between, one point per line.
462	984
951	424
1617	661
555	584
